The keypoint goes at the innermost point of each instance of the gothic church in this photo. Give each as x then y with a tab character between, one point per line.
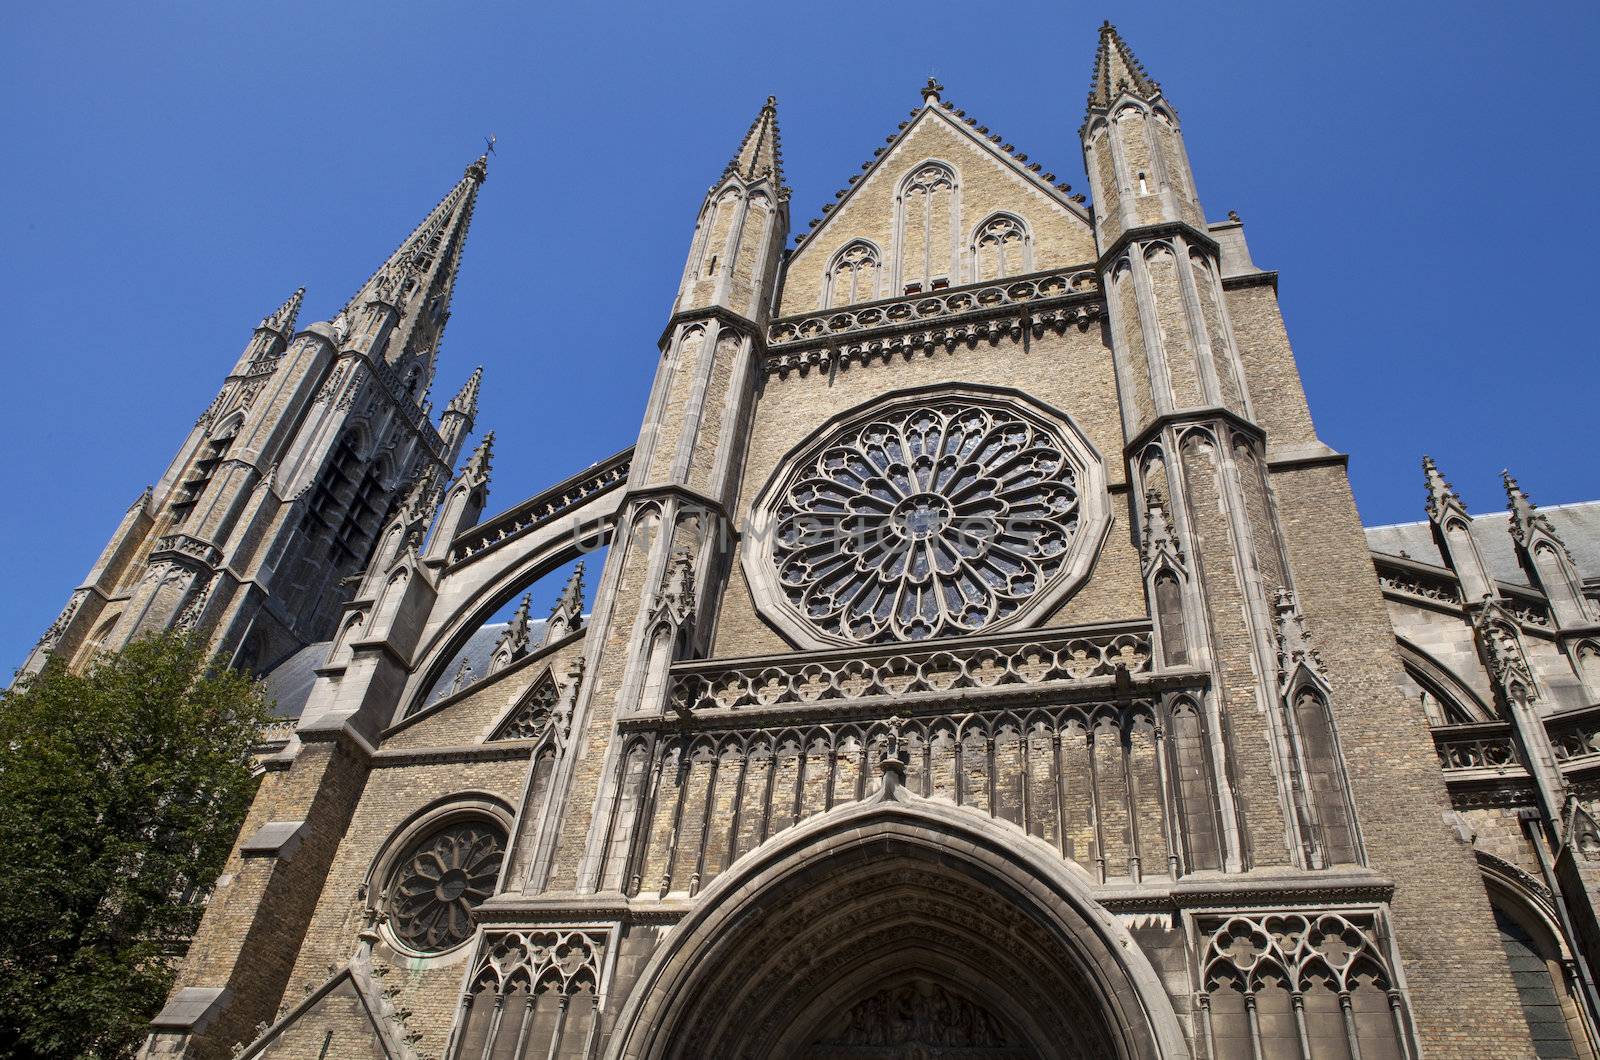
987	661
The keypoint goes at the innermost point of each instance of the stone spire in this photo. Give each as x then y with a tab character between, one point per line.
465	402
1116	71
1526	519
477	467
761	153
1544	556
512	643
1442	497
455	423
398	315
567	614
282	319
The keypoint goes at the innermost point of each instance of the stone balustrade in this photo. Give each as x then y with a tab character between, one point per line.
1038	659
542	508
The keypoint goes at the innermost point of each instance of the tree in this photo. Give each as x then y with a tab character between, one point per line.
121	791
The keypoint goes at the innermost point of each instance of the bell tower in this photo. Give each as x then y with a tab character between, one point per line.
282	486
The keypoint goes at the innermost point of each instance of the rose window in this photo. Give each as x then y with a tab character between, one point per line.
440	880
929	518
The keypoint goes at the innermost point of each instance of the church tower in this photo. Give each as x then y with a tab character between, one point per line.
278	493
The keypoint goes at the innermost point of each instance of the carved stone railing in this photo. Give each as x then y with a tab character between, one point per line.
1043	660
1418	582
1479	745
1575	736
965	314
543	508
1529	608
274	735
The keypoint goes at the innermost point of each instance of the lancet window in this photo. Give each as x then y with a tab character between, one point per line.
928	211
852	275
1001	247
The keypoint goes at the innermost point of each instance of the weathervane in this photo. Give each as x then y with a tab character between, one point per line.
488	144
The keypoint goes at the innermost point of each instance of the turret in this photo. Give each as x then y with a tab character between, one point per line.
741	227
1452	531
271	336
455	423
463	502
1161	266
1546	559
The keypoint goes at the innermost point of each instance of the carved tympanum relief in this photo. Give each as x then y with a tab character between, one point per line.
929	515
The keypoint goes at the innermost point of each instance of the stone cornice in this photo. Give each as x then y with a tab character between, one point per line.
681	493
1150	233
1199	416
935	317
721	314
1264	278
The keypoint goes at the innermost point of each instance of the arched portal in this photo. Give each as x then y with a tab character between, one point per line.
899	927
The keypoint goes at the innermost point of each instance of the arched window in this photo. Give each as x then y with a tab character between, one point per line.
1335	839
347	506
1001	246
852	275
927	213
212	453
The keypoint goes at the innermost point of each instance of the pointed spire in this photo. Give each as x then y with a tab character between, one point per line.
1117	71
567	614
1442	496
512	643
465	403
282	319
418	279
478	464
761	153
1526	518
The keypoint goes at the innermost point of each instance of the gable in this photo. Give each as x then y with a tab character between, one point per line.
918	212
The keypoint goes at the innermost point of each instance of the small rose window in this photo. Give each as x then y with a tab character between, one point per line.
440	880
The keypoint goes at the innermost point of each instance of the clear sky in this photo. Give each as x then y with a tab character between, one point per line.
1422	174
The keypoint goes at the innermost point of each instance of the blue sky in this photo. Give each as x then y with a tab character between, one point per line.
1422	174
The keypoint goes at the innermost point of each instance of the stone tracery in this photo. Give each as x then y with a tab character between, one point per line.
931	518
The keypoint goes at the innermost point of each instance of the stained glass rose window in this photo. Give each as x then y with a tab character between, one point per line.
929	518
439	880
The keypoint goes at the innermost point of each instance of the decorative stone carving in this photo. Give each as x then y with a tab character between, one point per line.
437	884
543	508
1050	658
564	958
927	516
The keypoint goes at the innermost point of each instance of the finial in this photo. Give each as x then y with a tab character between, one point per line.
465	403
931	90
1440	493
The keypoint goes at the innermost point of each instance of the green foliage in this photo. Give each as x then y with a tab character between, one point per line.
121	792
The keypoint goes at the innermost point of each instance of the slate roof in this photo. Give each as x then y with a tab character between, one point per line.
1578	526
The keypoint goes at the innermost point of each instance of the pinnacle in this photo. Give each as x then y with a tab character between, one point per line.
1440	492
466	400
1117	71
478	463
282	319
420	254
761	152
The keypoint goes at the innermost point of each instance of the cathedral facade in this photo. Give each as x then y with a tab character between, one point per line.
987	660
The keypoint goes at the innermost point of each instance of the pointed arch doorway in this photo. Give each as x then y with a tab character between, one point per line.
900	928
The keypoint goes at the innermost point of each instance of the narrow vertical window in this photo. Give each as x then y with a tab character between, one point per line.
927	213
